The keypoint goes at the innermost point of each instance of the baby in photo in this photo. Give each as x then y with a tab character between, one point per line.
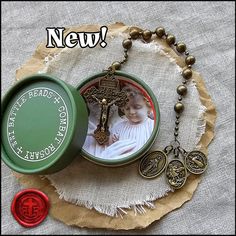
136	126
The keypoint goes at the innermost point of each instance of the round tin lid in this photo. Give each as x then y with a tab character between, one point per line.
44	125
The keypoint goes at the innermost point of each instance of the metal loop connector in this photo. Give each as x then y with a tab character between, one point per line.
110	71
182	151
175	144
176	152
168	149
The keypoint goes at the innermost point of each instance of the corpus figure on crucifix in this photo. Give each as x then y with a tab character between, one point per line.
105	107
107	94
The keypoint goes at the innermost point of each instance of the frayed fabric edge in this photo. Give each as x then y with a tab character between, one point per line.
201	123
139	207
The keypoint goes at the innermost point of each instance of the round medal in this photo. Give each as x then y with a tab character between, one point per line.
196	162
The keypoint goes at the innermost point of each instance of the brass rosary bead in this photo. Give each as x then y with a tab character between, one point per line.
134	33
180	98
179	107
147	34
176	134
116	65
190	60
170	39
182	90
181	47
124	60
187	73
127	44
160	32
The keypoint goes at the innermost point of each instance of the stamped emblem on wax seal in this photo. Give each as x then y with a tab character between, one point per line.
30	207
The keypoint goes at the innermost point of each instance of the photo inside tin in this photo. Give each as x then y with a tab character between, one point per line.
121	118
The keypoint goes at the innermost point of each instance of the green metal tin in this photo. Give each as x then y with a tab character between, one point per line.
44	125
88	82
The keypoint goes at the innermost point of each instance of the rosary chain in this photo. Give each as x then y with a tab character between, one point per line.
180	47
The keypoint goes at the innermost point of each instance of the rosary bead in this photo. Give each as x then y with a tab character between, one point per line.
160	32
187	73
116	65
125	60
170	39
147	34
180	47
177	122
134	34
127	43
182	90
190	60
176	134
179	107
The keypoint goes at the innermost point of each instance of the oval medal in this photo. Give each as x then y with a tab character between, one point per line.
176	173
153	164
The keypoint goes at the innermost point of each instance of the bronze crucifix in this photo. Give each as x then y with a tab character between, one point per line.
106	95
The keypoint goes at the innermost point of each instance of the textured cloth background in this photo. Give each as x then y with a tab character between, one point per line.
208	29
108	189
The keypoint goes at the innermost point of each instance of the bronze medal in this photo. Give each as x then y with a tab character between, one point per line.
176	173
153	164
196	162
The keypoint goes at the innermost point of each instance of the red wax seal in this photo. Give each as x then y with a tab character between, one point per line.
30	207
